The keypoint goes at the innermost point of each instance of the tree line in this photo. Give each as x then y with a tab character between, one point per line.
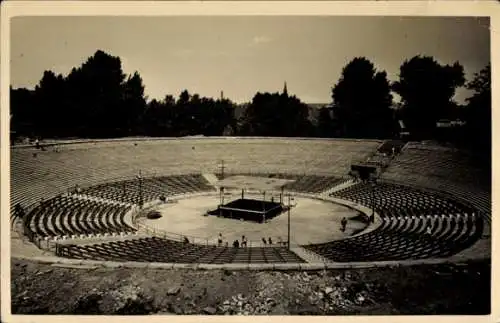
98	100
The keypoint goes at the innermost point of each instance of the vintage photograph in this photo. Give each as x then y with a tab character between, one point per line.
250	165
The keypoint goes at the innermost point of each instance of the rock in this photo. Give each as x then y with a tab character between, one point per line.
360	299
175	309
269	300
328	290
313	300
210	310
173	290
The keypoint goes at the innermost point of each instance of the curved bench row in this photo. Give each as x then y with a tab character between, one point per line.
407	215
154	249
101	210
86	164
67	216
130	191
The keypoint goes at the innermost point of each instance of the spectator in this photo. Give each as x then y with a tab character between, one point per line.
219	240
270	240
264	241
227	244
429	230
243	241
186	240
343	223
236	243
19	210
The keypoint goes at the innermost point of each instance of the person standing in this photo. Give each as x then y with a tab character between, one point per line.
343	224
219	240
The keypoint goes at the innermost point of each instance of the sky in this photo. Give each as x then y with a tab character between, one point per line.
243	55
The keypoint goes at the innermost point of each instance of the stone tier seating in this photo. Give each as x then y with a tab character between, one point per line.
68	217
313	184
154	249
457	173
129	191
386	147
406	213
87	164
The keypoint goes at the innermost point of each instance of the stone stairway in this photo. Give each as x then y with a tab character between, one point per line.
309	256
344	184
211	178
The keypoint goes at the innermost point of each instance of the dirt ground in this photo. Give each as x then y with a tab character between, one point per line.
312	221
429	289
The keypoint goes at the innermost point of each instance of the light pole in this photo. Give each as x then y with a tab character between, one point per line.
373	184
141	200
288	221
222	168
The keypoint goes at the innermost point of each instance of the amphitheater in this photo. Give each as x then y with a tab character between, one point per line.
84	202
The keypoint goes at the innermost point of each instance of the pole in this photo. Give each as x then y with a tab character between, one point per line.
373	199
222	169
288	221
140	190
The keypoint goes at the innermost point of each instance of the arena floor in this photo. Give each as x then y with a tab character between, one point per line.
312	221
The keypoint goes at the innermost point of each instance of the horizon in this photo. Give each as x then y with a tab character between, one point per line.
247	54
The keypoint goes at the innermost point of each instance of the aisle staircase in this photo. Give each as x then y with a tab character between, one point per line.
309	256
211	178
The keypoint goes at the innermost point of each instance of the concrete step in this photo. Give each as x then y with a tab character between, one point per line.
211	178
309	256
339	187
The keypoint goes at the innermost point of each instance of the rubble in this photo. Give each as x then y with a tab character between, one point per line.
173	290
118	291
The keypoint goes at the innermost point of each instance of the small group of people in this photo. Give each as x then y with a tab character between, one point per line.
236	243
269	240
244	241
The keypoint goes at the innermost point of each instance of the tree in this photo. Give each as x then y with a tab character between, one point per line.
49	105
362	101
325	126
134	104
22	109
97	94
427	89
276	115
478	111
